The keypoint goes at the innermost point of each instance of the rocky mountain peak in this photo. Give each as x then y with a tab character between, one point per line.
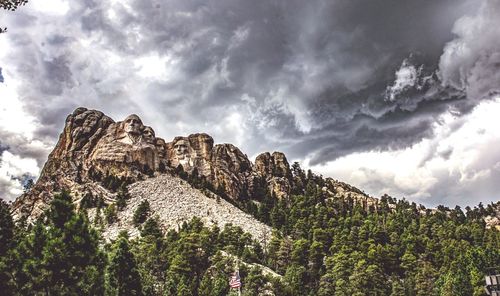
94	151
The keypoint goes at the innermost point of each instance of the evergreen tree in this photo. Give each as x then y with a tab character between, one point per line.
122	196
7	241
296	277
122	275
61	209
321	246
6	228
28	268
62	257
456	281
152	228
397	288
254	282
110	214
141	213
425	279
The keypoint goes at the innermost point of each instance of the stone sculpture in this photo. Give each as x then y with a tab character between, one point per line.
93	146
148	135
161	148
181	148
131	130
182	153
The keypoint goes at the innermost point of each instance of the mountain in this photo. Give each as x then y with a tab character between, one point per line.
95	156
125	212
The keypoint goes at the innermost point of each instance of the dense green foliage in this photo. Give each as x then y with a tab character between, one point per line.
319	246
59	255
327	246
123	276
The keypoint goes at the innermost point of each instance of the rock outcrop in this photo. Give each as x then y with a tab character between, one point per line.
276	171
223	165
193	151
91	147
493	220
94	154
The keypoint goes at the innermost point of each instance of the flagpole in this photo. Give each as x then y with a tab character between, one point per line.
235	280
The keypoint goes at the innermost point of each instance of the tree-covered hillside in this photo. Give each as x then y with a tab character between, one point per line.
320	246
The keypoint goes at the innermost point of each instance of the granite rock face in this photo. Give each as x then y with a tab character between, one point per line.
276	171
67	163
93	147
193	151
223	165
493	220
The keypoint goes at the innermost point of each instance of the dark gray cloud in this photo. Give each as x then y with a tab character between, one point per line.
317	71
1	76
471	62
20	145
316	79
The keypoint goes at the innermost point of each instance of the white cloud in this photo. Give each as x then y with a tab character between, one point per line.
51	7
12	170
17	129
454	167
406	78
12	111
470	62
155	67
233	128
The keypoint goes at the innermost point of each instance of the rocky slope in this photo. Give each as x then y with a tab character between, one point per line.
174	201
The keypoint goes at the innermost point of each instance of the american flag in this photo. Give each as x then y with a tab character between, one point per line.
235	281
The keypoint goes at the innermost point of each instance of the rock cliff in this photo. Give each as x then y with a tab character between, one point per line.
95	154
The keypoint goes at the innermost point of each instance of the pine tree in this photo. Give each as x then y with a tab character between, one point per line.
397	288
152	228
456	281
122	196
295	278
6	228
110	214
61	209
6	243
28	255
300	252
61	257
425	279
122	275
72	260
254	282
141	213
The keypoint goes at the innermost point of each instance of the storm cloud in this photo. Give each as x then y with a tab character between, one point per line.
319	80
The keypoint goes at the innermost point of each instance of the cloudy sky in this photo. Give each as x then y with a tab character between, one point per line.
398	97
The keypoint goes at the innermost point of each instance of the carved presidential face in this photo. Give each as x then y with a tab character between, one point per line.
160	144
148	134
181	148
133	125
161	147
